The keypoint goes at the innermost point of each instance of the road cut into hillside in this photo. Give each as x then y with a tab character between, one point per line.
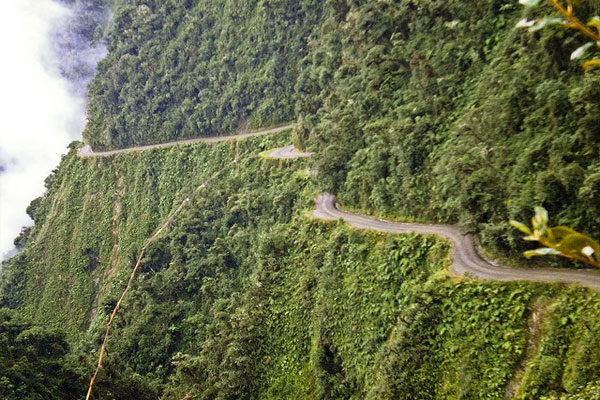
465	259
86	151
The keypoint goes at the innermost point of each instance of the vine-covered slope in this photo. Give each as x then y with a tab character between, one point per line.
247	297
434	110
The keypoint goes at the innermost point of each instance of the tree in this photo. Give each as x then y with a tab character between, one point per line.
34	363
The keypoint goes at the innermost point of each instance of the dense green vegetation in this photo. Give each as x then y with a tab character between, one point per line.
443	111
438	111
429	110
187	69
38	364
33	361
245	297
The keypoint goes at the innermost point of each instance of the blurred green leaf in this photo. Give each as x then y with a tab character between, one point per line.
573	244
522	227
544	251
529	3
541	215
561	232
595	22
591	64
540	222
580	51
546	21
560	240
525	23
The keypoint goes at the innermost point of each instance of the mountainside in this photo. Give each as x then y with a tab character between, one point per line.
423	110
443	111
183	69
247	297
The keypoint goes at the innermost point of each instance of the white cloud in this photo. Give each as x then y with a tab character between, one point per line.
39	116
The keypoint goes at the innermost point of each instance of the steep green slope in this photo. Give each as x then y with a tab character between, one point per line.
424	109
246	297
437	110
444	111
96	216
188	69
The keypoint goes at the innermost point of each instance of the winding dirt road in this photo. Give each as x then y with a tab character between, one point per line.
286	153
465	259
86	151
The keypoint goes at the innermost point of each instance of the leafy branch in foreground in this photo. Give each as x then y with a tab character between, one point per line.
569	20
560	240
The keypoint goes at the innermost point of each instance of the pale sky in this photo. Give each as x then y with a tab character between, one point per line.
39	116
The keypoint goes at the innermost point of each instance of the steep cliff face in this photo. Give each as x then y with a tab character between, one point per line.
423	109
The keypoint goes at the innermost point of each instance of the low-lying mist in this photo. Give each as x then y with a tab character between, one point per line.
47	61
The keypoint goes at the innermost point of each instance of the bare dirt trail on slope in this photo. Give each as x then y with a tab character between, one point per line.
132	276
86	151
465	259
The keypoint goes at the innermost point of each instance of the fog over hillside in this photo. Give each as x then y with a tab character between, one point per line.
47	63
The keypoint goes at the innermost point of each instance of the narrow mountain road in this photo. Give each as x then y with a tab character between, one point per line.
86	151
465	259
286	153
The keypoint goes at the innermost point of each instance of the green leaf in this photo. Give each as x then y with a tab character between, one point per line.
522	227
544	251
561	232
541	214
540	220
574	244
546	21
591	64
529	3
580	51
595	22
525	23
